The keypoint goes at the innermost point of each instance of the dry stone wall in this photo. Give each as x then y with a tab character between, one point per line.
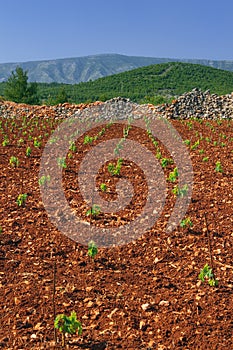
194	104
198	104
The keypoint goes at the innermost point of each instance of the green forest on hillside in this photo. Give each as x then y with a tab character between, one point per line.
156	84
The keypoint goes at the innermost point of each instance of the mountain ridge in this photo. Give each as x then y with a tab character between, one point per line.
85	68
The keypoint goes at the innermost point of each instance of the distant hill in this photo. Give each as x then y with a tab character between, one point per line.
156	84
83	69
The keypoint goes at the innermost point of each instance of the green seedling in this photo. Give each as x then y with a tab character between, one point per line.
43	179
205	159
21	199
14	161
122	140
92	249
28	151
212	128
109	124
190	125
186	222
52	140
94	211
67	325
201	151
1	229
218	167
207	274
61	161
158	154
119	146
180	192
36	143
165	162
149	132
187	142
72	147
20	142
126	131
195	145
88	139
115	170
103	187
6	141
173	175
155	143
102	132
153	140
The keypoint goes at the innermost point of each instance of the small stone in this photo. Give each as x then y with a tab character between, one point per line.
145	306
142	325
90	304
164	303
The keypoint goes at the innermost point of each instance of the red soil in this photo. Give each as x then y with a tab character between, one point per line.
143	295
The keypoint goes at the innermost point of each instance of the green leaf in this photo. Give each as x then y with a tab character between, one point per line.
68	324
206	274
92	249
94	211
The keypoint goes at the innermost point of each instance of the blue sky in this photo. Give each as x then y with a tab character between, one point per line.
49	29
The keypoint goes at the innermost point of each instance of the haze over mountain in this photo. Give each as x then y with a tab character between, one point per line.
82	69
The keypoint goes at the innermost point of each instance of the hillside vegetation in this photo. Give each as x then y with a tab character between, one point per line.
155	83
81	69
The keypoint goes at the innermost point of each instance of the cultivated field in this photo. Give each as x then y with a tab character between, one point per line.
146	294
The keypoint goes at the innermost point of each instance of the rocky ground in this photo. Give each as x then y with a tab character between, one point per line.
145	294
